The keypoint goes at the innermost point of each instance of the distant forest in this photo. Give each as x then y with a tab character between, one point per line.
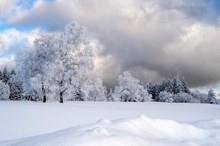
129	89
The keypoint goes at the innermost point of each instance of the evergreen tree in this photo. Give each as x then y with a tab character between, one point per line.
211	97
16	89
158	89
12	73
1	75
177	85
172	86
110	95
151	90
6	76
154	90
169	86
184	85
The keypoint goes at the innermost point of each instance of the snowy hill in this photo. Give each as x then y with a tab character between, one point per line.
113	124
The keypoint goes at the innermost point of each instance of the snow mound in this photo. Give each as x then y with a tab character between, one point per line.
140	131
104	121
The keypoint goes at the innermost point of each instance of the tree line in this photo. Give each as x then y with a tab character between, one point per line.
129	89
60	67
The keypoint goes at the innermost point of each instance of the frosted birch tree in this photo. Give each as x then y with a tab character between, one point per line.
130	90
58	62
93	90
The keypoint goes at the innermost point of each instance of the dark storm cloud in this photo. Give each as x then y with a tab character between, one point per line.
153	39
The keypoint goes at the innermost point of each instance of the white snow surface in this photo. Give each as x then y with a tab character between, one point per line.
113	124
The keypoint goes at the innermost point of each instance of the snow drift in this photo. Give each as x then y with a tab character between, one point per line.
33	123
140	131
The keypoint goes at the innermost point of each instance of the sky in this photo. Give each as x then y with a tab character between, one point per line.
153	39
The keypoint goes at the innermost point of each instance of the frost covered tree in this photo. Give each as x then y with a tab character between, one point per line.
4	91
93	90
184	85
169	86
179	85
182	97
154	90
173	86
144	95
16	88
58	62
130	90
74	59
5	75
151	90
165	97
33	65
110	95
199	97
211	97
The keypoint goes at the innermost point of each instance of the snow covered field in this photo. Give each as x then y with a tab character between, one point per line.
109	124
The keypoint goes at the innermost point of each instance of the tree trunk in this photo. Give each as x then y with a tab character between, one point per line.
61	95
44	93
44	99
